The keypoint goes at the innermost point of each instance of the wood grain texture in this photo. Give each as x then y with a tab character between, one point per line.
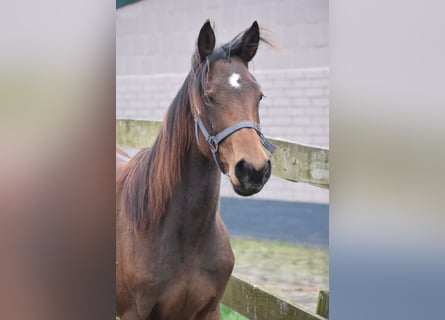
136	133
300	163
258	304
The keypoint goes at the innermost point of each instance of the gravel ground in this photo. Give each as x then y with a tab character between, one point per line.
291	271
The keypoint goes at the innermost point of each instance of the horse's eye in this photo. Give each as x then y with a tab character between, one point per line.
209	99
260	97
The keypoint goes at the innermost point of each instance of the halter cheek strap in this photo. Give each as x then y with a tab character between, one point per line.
215	140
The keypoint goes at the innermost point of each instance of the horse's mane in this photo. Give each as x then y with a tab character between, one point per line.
150	177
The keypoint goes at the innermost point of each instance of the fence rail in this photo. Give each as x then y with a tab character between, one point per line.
291	161
259	304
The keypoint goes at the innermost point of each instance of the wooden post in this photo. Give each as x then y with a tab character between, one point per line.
323	304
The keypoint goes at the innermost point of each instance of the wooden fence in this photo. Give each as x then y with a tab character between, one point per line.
291	161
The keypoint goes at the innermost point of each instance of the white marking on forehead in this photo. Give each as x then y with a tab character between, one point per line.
233	80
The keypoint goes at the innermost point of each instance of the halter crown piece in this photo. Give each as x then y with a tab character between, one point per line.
215	140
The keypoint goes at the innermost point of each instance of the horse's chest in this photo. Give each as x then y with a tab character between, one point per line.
191	289
201	277
190	293
196	284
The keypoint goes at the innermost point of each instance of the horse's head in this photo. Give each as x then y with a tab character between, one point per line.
225	107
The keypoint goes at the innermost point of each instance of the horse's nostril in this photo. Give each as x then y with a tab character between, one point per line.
243	171
251	180
246	173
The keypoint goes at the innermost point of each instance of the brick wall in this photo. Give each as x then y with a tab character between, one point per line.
155	40
296	106
158	36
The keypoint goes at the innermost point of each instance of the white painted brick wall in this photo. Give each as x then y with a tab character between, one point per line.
158	36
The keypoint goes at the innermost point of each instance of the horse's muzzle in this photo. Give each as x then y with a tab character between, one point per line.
251	180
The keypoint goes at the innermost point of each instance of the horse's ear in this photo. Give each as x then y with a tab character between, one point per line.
250	41
206	41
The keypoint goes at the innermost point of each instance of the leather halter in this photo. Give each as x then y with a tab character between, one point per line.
215	140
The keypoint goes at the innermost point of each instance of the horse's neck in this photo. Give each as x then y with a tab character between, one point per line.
195	201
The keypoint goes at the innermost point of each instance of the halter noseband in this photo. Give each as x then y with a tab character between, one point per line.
215	140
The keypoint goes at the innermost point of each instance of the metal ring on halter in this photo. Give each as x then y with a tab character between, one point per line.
213	144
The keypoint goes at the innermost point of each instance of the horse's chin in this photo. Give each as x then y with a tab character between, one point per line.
246	190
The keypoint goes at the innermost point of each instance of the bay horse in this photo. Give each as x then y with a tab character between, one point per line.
173	253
